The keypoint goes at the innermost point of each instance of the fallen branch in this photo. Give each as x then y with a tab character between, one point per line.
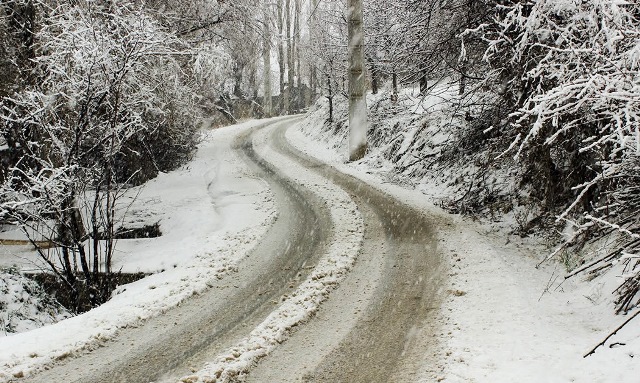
593	350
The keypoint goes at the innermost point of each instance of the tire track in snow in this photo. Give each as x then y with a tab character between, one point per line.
344	244
391	340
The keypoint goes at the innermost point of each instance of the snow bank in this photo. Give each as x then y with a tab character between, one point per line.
24	305
405	139
505	321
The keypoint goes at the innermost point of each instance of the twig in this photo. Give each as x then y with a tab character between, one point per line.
603	259
591	264
593	350
551	281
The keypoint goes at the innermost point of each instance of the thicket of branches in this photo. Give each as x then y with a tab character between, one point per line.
572	73
99	97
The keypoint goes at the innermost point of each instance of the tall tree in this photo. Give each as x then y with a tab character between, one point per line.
296	44
313	24
357	97
284	102
266	56
290	74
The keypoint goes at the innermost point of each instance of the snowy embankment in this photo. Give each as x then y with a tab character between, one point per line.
211	213
345	240
24	305
504	319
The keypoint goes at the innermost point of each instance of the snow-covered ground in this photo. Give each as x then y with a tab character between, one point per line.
211	213
24	305
504	319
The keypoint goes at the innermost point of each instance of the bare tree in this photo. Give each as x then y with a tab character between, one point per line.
289	57
284	101
296	43
106	84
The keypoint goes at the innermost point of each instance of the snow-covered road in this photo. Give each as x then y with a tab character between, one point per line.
347	284
188	335
378	325
371	320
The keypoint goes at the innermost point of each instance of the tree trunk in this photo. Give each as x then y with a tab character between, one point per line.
95	234
424	82
357	98
313	74
394	87
296	43
290	64
330	97
266	56
253	79
237	80
281	58
374	75
463	80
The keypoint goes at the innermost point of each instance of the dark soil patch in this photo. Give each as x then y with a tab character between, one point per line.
147	231
88	296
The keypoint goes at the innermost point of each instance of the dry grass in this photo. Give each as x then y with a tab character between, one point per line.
23	242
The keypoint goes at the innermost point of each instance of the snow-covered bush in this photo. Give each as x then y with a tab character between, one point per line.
110	104
571	71
24	305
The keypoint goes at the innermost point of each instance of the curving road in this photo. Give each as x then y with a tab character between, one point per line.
377	326
391	297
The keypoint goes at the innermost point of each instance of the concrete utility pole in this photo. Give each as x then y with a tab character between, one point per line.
357	97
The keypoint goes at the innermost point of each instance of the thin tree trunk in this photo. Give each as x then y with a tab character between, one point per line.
424	82
109	226
237	76
77	233
290	74
374	75
394	87
296	43
357	99
96	234
313	74
330	97
266	56
463	80
253	79
281	58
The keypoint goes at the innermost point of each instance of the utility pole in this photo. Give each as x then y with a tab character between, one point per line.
357	97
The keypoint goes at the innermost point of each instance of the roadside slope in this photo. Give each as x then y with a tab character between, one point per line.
503	318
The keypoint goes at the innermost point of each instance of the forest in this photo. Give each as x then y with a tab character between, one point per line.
97	96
